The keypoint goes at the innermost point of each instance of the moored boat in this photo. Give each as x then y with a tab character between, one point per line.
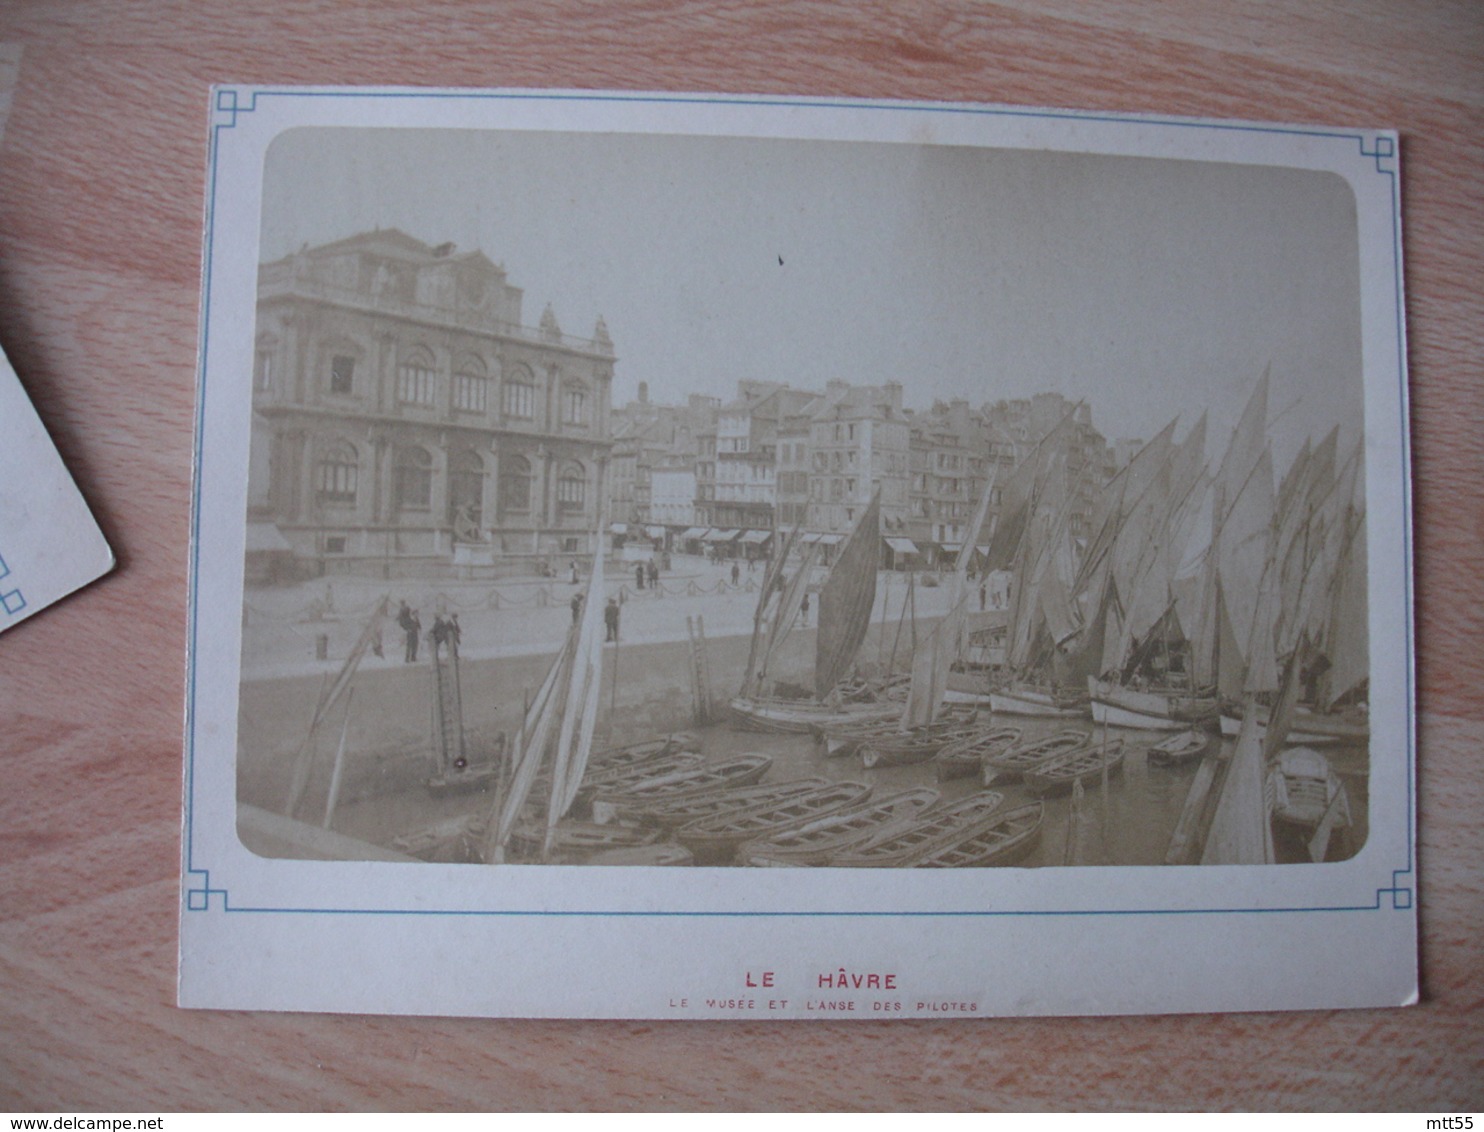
1181	748
1084	765
1308	728
1010	836
804	717
915	745
673	813
608	803
903	847
1114	705
843	739
966	756
619	778
1303	788
713	839
1018	698
1012	762
816	842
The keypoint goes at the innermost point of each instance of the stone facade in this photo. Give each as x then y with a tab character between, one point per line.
403	411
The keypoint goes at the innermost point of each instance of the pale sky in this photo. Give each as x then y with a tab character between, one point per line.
1150	288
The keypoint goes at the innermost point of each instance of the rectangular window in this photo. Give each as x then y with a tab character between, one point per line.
414	384
263	372
342	375
469	392
574	407
520	400
334	544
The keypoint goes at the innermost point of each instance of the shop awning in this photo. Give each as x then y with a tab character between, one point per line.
721	536
655	532
809	539
902	545
619	528
694	532
830	540
952	547
756	536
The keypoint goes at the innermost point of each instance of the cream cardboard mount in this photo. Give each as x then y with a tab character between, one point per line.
573	468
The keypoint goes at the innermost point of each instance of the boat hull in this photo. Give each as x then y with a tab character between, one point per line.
1012	701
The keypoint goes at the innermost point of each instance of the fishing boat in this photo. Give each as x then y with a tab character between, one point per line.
818	841
674	813
1017	697
1088	764
714	839
845	602
1305	790
1010	837
1156	709
632	754
903	847
842	739
966	757
1309	728
1182	748
917	745
614	803
1011	763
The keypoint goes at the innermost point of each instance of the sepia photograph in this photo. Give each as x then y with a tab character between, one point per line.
697	555
663	499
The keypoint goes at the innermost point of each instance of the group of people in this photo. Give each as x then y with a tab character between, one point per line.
446	632
610	615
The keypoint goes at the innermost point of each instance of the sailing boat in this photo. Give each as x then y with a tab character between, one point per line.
557	730
1147	681
845	603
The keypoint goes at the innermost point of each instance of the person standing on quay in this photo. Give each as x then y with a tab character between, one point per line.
804	608
412	626
610	619
736	572
576	608
639	575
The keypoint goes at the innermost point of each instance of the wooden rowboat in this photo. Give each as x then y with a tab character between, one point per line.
818	841
1010	764
715	838
620	778
1059	772
842	739
1009	837
916	745
966	757
804	716
1180	748
900	848
613	758
676	812
742	770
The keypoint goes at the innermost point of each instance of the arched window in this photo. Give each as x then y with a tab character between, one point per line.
574	403
414	478
470	385
465	489
520	394
571	488
335	475
515	483
415	375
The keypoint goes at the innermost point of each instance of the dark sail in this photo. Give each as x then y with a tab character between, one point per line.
846	599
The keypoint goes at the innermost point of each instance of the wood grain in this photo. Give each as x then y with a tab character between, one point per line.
101	190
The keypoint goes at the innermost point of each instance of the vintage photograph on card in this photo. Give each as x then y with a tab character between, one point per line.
658	489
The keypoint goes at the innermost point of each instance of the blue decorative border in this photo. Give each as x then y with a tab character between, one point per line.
11	600
228	105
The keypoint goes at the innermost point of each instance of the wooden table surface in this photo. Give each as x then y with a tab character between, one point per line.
101	190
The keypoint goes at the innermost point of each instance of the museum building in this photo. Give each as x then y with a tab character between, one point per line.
404	417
